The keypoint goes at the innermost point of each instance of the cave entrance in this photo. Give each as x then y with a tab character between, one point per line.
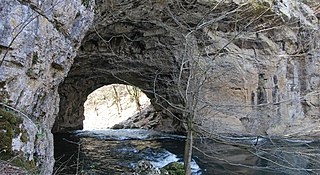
113	104
130	56
143	54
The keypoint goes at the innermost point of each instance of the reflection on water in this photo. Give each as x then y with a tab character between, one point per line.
259	156
117	152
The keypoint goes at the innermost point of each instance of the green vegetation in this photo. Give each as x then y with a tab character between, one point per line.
23	163
10	124
9	128
260	6
29	72
78	14
35	58
85	3
173	168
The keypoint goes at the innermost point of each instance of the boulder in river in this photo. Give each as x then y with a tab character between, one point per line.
144	167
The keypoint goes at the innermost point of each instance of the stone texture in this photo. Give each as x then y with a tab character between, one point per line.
144	167
262	71
132	52
261	82
265	79
149	118
38	41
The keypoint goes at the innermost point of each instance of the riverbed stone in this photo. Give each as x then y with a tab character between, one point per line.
144	167
173	168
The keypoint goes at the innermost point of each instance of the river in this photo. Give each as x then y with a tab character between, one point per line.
102	152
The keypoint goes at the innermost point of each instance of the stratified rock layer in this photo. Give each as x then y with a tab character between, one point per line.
257	63
262	71
38	42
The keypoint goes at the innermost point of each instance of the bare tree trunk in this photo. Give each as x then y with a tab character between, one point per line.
188	147
116	99
135	94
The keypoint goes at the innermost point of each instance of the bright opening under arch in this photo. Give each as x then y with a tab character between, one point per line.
112	104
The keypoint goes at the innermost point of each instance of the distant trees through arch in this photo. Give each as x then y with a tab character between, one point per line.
112	104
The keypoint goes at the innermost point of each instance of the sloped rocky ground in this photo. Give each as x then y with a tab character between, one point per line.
104	106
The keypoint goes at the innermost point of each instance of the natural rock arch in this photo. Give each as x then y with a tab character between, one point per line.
142	43
134	54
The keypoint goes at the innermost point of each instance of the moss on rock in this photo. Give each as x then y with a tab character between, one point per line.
9	128
24	164
8	125
173	168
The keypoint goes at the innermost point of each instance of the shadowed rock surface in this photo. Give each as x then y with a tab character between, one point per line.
261	63
262	73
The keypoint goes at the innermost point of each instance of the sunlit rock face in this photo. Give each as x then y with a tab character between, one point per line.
266	81
38	42
262	72
261	60
113	104
133	52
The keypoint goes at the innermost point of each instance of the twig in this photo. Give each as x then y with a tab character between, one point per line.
78	154
23	27
23	114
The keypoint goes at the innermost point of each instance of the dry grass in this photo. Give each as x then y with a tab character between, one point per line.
8	169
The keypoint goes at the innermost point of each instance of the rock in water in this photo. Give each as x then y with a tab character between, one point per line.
144	167
173	168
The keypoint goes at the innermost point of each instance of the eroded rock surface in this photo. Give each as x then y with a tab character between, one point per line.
261	62
123	48
38	42
149	118
263	81
262	71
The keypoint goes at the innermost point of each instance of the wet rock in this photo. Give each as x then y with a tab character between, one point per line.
173	168
144	167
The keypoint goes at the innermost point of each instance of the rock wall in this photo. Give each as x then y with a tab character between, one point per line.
264	79
262	72
117	50
257	63
38	42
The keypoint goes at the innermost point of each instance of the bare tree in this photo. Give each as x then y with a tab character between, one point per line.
134	93
116	99
198	66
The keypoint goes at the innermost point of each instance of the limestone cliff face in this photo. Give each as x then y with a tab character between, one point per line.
266	79
38	42
123	47
260	61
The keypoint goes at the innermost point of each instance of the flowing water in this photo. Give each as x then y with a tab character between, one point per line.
118	151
